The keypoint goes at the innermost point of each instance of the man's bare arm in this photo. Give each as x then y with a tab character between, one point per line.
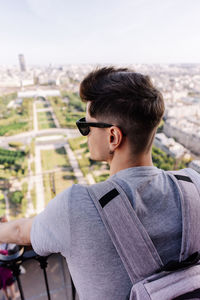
16	232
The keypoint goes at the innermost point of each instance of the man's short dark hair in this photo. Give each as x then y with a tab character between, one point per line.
126	99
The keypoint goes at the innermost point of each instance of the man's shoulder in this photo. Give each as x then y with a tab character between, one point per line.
79	193
79	190
189	172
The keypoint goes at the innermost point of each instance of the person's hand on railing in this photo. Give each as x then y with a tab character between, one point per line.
4	252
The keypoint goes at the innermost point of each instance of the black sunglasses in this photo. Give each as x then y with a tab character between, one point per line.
84	127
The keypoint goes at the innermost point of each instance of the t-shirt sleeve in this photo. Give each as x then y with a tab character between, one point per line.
50	232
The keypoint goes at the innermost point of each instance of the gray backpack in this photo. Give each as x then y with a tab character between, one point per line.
150	278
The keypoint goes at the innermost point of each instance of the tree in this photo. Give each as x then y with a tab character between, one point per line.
16	197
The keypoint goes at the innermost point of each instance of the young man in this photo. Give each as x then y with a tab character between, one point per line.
123	112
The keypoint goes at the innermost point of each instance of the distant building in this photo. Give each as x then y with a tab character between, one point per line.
38	93
22	63
169	146
185	131
195	165
15	103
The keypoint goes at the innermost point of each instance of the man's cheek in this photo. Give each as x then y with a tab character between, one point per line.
88	142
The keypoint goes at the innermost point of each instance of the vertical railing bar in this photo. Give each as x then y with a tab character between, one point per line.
20	287
16	272
46	283
43	264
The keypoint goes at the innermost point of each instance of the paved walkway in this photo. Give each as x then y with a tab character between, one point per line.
35	122
40	204
74	164
55	119
30	210
40	201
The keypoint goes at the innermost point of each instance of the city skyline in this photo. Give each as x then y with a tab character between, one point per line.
62	32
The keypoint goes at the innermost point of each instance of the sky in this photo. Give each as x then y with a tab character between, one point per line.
99	31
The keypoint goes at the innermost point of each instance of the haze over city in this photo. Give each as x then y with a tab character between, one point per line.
139	31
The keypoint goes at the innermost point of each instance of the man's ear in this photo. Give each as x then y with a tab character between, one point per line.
111	138
115	138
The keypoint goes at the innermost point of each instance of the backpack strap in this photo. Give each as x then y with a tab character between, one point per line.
127	233
188	184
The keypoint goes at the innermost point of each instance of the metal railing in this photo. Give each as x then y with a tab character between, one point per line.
14	261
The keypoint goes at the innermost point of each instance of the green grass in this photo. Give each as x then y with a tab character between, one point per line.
13	128
33	167
44	116
47	125
45	120
59	109
77	143
68	114
75	103
41	105
63	180
16	120
102	177
162	160
72	117
12	153
54	158
2	207
166	162
48	193
58	180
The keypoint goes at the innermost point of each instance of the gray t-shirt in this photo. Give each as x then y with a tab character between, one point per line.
71	225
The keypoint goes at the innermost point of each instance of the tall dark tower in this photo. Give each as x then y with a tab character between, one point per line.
22	63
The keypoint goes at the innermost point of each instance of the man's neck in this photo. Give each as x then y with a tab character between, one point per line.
124	162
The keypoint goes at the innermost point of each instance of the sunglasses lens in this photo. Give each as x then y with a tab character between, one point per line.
83	127
84	130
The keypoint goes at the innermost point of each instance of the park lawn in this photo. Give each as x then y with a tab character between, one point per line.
63	180
56	182
45	120
2	207
47	125
101	177
41	104
44	116
17	121
68	114
59	109
13	128
5	173
48	193
72	117
54	158
77	143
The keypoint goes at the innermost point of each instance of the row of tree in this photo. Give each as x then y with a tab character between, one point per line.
163	161
11	153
